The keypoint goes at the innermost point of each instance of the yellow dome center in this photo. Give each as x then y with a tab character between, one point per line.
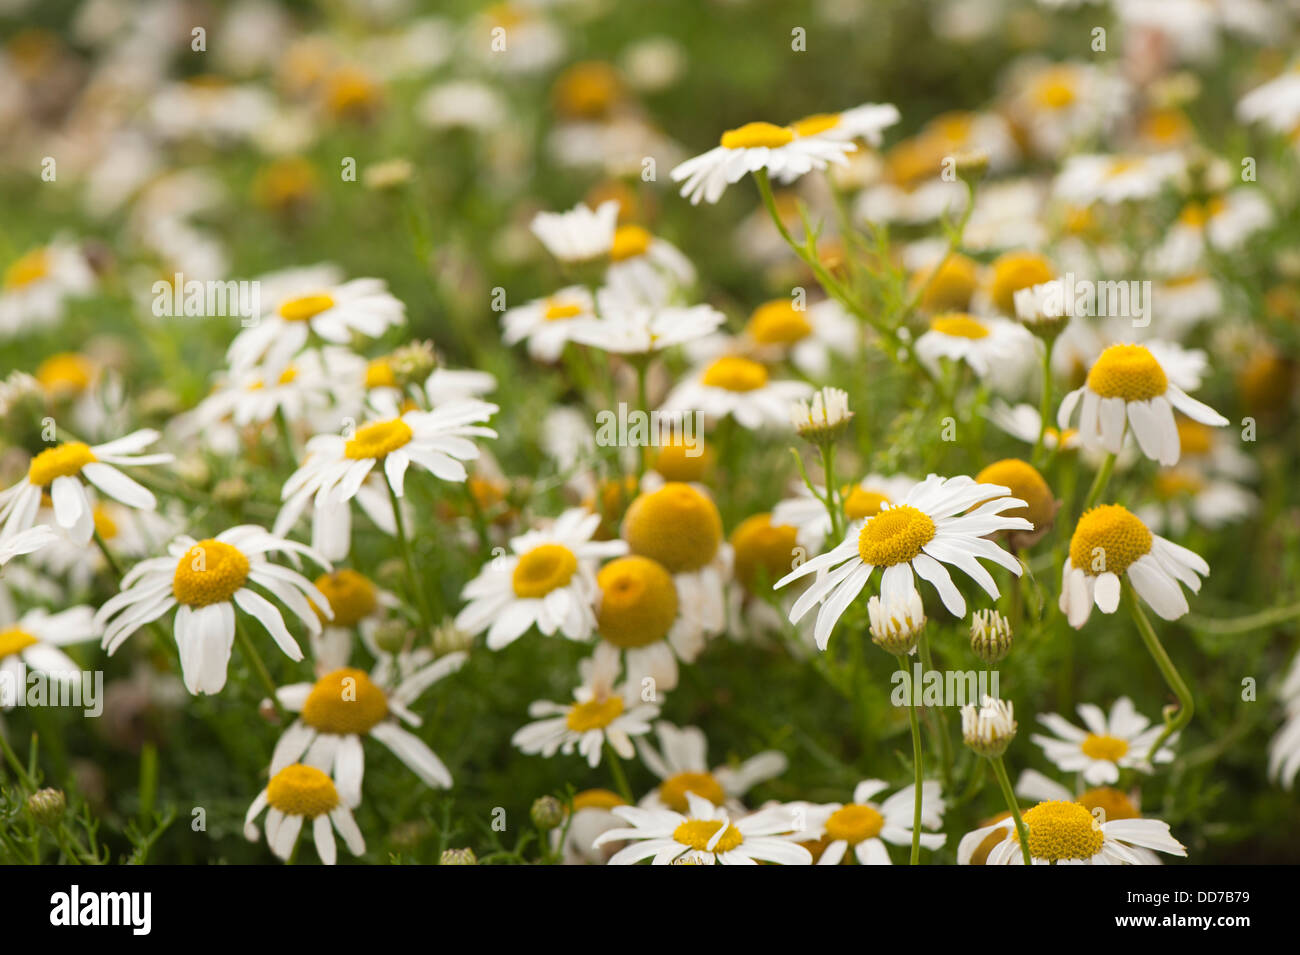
30	268
209	572
14	640
344	703
675	464
594	714
1113	803
952	286
1062	830
1194	437
105	526
305	307
894	536
854	823
638	602
64	374
379	439
1110	748
764	552
1025	483
630	241
379	374
64	460
698	833
673	790
1130	372
1055	90
559	311
300	790
543	569
817	123
734	373
757	136
959	325
676	525
859	502
1108	538
597	799
778	323
1014	271
352	597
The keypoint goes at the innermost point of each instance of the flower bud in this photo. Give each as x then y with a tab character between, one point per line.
458	857
547	812
896	627
988	729
47	806
990	635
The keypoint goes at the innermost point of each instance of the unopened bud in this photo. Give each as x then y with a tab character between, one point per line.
458	857
990	635
47	806
547	812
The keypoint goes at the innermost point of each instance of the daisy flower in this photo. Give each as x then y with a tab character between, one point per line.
1222	223
807	336
1121	741
940	521
1023	423
628	327
867	122
1058	105
548	324
26	542
646	269
601	713
865	826
737	386
33	641
591	816
1276	103
1284	748
861	501
1109	542
639	612
991	346
58	470
681	762
778	150
1066	833
206	580
1104	802
547	580
1129	384
355	605
1114	179
34	287
298	794
705	834
307	386
579	235
332	312
341	708
126	532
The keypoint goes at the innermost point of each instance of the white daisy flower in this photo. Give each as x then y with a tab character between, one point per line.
1023	422
295	308
940	521
298	794
1276	103
60	471
993	347
628	327
1222	223
867	122
1104	802
681	762
1284	748
1066	833
754	146
547	580
206	580
601	713
1061	105
579	235
34	287
302	390
865	826
127	533
1129	387
340	708
548	324
1114	179
740	387
26	542
807	336
355	605
591	816
705	835
861	501
32	642
1121	741
646	269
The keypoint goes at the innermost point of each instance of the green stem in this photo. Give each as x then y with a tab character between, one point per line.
249	650
1186	705
620	778
915	857
945	748
641	364
832	508
1044	401
1099	482
1009	795
412	581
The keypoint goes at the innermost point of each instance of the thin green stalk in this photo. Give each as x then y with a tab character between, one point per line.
1099	482
1009	795
834	510
1186	705
915	858
412	581
945	744
620	778
249	650
1044	401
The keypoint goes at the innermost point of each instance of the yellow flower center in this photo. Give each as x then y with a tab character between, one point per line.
1113	803
981	854
630	241
733	373
1055	89
1110	748
351	92
594	714
14	640
105	526
673	790
1130	372
778	323
1025	483
1194	437
32	267
959	325
543	569
1062	830
676	525
764	552
894	536
817	123
379	439
675	464
352	597
952	286
1108	538
379	374
587	89
558	311
300	790
597	799
698	833
305	307
63	460
1165	126
860	502
638	602
345	703
1182	482
1119	167
854	823
64	374
1014	271
209	572
757	136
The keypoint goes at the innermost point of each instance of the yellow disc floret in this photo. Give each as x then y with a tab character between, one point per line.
1025	483
1110	748
305	307
698	833
673	790
860	502
344	703
28	269
1062	830
951	287
594	714
733	373
778	322
379	439
630	241
637	604
1014	271
1108	538
757	136
597	799
379	374
209	572
676	525
679	460
764	552
64	460
352	597
543	569
815	124
1130	372
14	640
854	823
959	325
1113	803
894	536
300	790
559	311
66	373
